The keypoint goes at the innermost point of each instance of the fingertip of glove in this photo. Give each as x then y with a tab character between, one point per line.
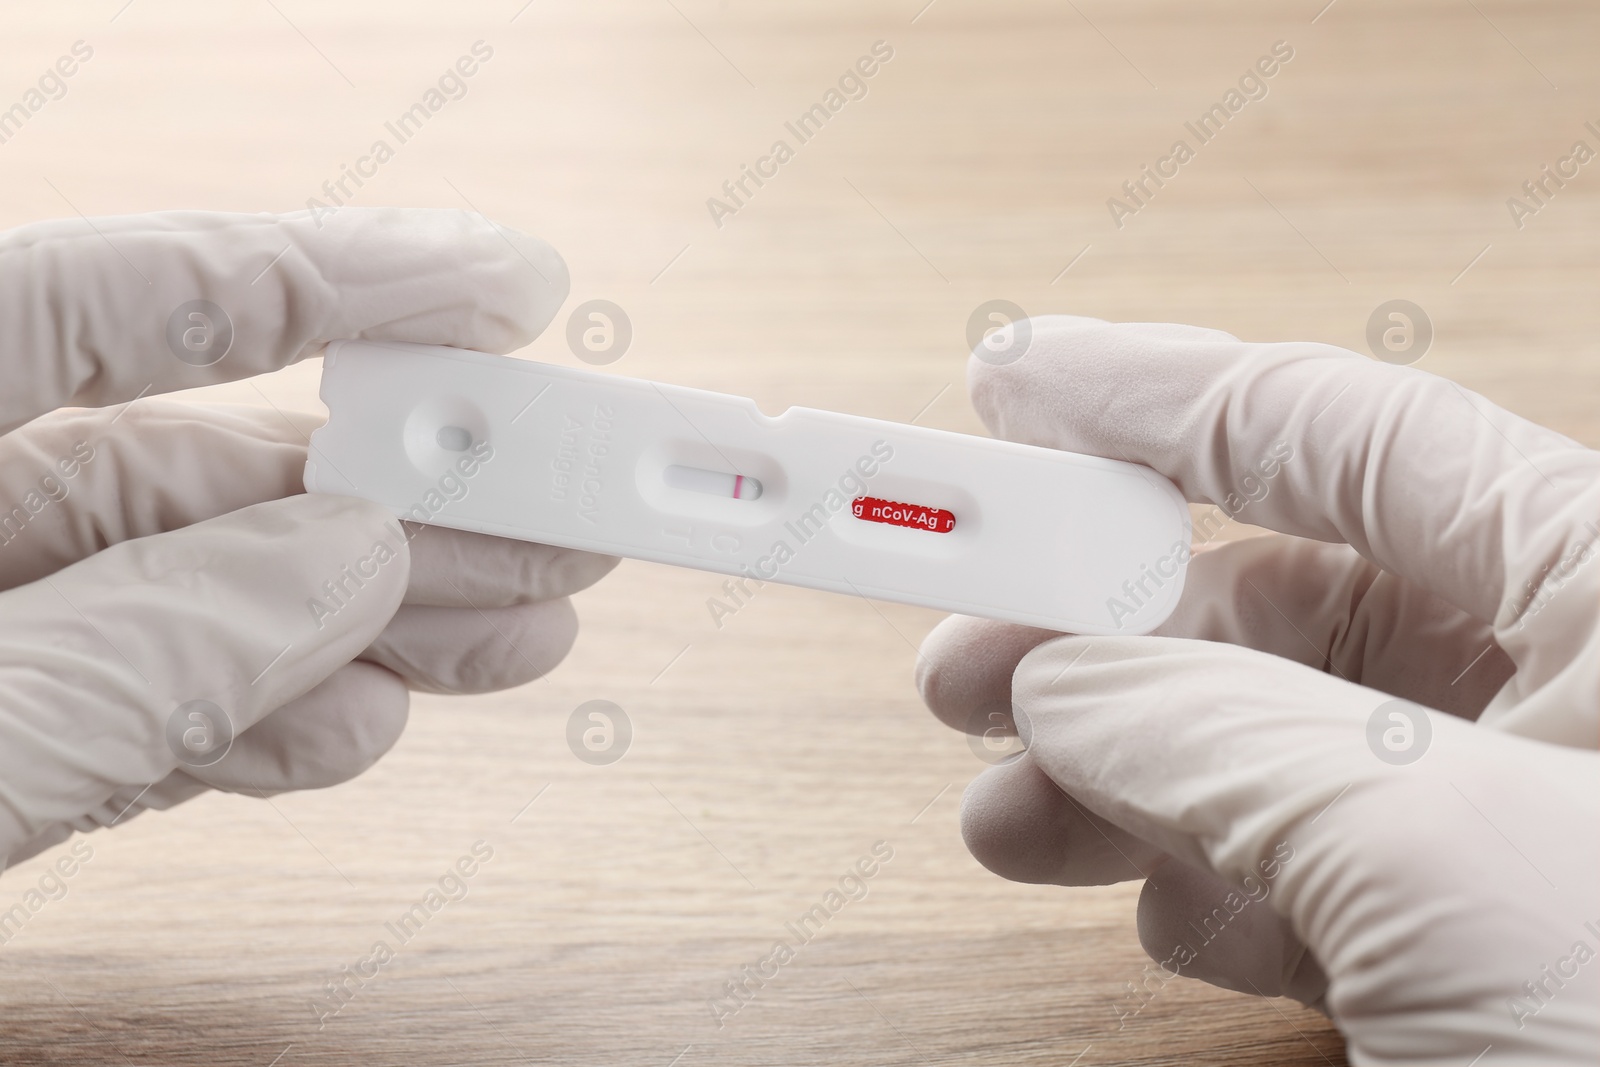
1053	384
966	665
1007	813
467	650
1032	336
362	518
579	570
331	734
536	639
997	381
435	276
352	533
936	650
948	671
523	281
538	283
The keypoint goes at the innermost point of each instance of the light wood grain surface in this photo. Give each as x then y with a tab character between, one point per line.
772	753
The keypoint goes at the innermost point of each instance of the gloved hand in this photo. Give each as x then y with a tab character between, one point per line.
1427	878
162	553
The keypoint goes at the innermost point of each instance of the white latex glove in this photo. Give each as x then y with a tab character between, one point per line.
162	552
1434	909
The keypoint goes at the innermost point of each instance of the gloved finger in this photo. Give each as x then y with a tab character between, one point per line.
461	569
1327	607
1014	820
1020	825
118	808
1320	605
1175	739
99	660
475	650
1194	924
964	669
82	479
1218	754
1317	604
1249	766
94	312
1424	478
343	725
328	736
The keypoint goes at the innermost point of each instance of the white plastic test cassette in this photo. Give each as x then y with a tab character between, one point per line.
628	467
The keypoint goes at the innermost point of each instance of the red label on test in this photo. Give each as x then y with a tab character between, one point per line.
893	513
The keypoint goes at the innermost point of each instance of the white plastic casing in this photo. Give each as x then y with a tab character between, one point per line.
579	458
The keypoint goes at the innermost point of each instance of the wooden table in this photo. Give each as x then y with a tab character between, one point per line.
771	753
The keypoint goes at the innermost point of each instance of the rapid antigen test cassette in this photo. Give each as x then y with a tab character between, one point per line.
589	460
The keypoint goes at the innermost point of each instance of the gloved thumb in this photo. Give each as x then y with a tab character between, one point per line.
1205	750
1431	865
154	653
